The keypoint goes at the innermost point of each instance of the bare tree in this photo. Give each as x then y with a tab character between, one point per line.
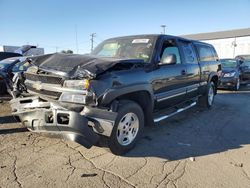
67	51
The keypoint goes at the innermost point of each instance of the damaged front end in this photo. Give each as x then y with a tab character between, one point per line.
63	103
39	115
64	97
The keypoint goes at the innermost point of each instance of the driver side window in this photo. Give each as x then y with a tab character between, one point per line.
170	47
21	66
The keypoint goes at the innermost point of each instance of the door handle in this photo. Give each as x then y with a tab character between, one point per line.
183	72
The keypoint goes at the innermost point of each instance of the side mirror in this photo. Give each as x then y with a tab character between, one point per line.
168	59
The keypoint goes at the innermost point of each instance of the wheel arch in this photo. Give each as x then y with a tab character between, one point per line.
141	94
214	78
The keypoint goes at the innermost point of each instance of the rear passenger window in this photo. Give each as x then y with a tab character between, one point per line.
189	54
205	53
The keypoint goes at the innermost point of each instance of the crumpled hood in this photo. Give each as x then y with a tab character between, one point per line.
70	63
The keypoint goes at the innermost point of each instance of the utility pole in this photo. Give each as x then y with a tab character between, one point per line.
234	44
163	29
92	41
76	39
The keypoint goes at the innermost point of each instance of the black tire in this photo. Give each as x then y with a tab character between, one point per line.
204	100
126	107
237	85
3	88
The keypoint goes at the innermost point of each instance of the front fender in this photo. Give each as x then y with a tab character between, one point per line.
211	75
113	93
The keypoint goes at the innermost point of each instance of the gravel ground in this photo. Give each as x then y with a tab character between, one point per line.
197	148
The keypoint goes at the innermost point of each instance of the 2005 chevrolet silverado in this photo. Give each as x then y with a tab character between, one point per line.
123	85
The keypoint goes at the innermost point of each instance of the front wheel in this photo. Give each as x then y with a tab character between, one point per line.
208	99
128	128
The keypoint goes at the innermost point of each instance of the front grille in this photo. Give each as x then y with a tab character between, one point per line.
51	94
48	79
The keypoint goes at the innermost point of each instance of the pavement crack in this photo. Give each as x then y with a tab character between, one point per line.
242	169
98	155
68	146
245	173
107	171
167	174
99	168
35	140
105	183
73	169
15	172
183	172
111	162
162	172
145	164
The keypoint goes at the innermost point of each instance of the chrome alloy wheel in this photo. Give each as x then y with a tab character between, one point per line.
127	129
238	84
210	95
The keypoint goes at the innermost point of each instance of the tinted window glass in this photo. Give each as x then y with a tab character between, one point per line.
205	53
21	66
228	63
189	53
246	63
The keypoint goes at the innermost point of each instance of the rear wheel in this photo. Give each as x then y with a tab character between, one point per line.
208	99
128	127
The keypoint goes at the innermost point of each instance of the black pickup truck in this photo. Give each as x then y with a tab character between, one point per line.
123	85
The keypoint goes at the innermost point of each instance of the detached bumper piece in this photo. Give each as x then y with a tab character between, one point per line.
42	116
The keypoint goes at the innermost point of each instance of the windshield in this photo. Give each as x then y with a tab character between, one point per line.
21	66
246	63
128	47
5	63
228	63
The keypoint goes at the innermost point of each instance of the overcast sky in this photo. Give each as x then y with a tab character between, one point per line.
52	24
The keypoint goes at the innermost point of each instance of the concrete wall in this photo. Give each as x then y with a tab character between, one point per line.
231	47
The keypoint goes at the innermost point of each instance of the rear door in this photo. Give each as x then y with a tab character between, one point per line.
208	61
192	68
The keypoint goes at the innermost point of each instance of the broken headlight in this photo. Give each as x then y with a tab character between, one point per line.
77	84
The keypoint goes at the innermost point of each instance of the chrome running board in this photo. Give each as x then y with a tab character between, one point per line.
158	119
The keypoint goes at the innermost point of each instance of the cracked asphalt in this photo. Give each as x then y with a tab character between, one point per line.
197	148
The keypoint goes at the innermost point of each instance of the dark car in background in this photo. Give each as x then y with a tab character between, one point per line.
5	55
12	63
22	51
231	74
245	68
9	69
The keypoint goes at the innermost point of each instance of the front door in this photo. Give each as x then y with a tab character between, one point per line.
170	80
